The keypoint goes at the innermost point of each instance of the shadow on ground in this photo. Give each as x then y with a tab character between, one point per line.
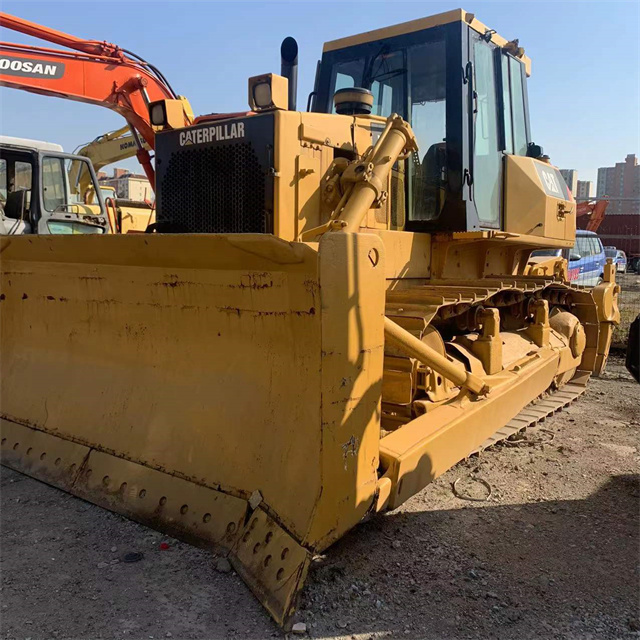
565	569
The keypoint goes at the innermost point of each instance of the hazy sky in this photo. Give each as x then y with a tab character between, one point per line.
584	91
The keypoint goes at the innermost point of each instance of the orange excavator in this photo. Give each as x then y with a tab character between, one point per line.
96	72
595	210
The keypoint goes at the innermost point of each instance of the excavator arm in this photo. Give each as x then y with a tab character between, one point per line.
96	73
105	150
595	211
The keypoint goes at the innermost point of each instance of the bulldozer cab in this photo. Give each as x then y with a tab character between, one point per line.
463	90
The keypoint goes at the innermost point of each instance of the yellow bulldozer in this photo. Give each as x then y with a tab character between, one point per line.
332	308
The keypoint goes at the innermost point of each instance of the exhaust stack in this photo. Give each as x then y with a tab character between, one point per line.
289	68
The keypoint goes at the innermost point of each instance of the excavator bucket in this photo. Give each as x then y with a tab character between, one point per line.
225	389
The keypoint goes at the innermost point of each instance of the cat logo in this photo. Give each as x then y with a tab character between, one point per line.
214	133
552	181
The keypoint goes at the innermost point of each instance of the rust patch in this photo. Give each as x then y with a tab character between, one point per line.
253	281
260	314
252	285
25	296
349	448
345	400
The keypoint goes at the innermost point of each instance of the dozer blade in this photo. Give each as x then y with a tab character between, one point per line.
225	389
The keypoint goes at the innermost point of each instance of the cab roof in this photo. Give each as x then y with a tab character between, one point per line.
455	15
27	143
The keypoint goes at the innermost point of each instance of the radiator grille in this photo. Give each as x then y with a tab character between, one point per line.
216	189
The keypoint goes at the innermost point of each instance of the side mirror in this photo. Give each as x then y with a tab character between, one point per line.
534	151
574	256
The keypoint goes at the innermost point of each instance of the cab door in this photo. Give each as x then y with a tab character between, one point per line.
487	156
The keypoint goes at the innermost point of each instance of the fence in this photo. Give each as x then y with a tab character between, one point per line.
629	302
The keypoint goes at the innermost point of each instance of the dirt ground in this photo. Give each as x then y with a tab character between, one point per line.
552	554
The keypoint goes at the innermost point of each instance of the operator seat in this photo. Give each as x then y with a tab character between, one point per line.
15	212
432	169
16	205
434	165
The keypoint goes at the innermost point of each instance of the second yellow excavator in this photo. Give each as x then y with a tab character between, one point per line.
115	146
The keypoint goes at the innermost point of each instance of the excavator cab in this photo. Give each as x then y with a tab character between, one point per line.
463	90
39	196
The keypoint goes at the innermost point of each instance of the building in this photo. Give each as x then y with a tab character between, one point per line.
621	225
622	184
585	189
129	186
571	178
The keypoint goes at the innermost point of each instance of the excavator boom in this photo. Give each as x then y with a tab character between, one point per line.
36	30
96	73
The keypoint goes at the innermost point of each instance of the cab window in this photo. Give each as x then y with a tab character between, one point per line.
58	193
386	80
382	73
67	227
514	117
507	120
3	181
427	88
516	72
53	183
16	177
23	175
487	158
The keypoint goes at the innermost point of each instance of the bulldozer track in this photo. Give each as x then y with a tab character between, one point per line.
539	410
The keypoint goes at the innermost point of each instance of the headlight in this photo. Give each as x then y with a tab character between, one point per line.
262	95
267	92
156	114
